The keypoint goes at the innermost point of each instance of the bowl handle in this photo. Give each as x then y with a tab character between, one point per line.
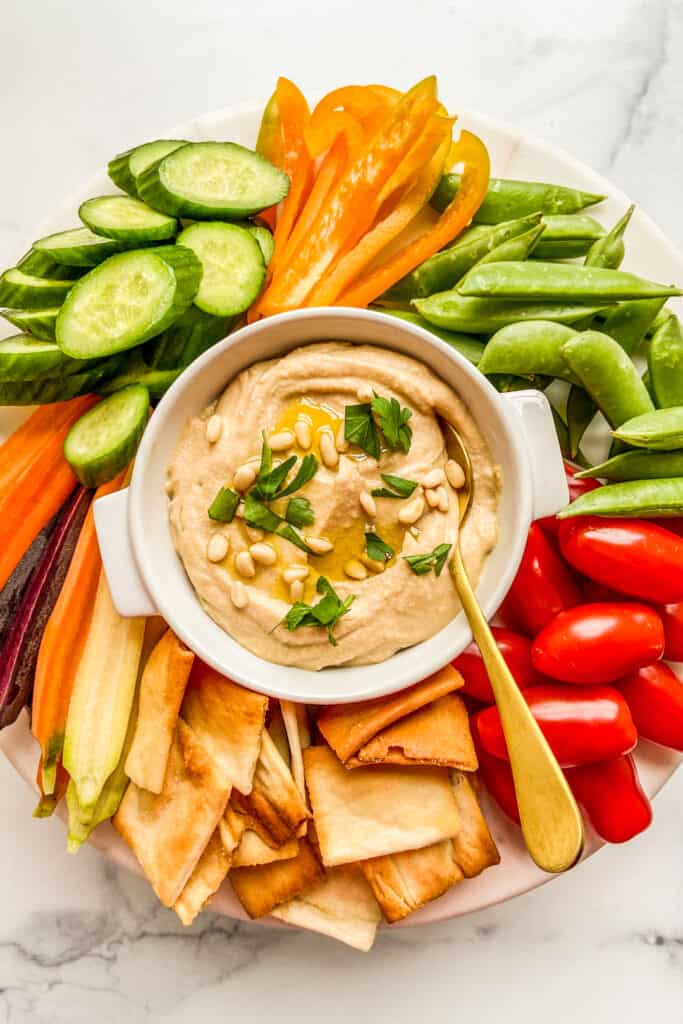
550	491
128	592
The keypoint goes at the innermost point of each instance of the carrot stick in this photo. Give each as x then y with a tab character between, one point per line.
20	449
63	642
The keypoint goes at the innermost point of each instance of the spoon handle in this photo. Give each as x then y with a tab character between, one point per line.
551	821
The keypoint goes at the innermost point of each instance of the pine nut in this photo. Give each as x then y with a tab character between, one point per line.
264	554
296	590
373	564
217	548
432	497
214	428
238	594
341	444
411	512
319	545
295	572
433	478
364	393
282	441
455	474
302	432
355	570
442	495
168	486
368	504
244	564
414	532
328	451
254	533
244	477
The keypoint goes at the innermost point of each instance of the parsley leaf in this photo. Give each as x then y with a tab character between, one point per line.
393	422
224	505
377	549
299	512
290	534
259	515
327	612
267	486
266	457
360	429
400	487
306	471
423	564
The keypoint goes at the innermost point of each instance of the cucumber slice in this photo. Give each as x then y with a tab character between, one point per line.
265	240
78	247
128	299
25	291
126	219
125	168
50	389
212	181
157	382
38	322
232	265
104	440
25	358
186	339
40	264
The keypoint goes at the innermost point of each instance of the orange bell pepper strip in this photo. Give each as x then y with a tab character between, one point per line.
269	146
331	168
322	132
361	102
416	197
472	152
294	116
352	205
436	130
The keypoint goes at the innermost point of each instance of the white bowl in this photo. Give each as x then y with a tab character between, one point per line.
146	575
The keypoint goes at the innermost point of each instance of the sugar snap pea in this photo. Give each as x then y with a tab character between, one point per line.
660	429
580	412
507	198
517	248
465	344
559	282
609	251
528	348
446	268
665	364
563	439
608	375
457	312
633	498
567	236
638	465
629	322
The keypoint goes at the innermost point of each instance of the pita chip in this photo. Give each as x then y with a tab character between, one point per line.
378	810
341	905
168	832
474	848
274	800
348	727
162	687
437	734
404	882
252	851
228	720
261	889
205	880
231	828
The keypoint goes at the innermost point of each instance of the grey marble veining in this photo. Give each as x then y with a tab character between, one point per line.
81	941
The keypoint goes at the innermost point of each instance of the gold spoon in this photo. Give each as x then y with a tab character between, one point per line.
551	822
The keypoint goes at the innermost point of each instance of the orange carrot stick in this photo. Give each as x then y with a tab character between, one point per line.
20	449
63	641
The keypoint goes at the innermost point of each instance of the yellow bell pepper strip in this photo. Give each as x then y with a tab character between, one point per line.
269	145
294	116
472	152
368	107
437	128
352	205
416	197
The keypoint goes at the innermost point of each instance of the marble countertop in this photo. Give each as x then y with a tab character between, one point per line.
82	941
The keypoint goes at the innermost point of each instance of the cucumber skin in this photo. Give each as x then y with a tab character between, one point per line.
130	236
18	366
39	264
100	469
152	190
118	170
41	327
86	255
157	382
22	296
189	337
50	389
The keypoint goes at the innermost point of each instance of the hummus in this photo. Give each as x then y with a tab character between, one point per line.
393	607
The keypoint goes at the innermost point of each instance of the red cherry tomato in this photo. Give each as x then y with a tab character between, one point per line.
497	777
634	556
598	643
551	524
542	587
581	725
655	698
593	592
515	648
612	797
672	617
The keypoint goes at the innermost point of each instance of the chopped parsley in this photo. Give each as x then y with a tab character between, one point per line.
393	422
423	564
295	538
259	515
224	505
376	548
360	429
326	613
299	512
397	487
306	471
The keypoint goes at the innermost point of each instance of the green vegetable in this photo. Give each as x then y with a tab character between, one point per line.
638	465
423	564
40	264
289	533
186	339
78	247
128	299
104	440
609	251
46	390
465	344
660	430
269	485
581	410
265	240
559	282
567	236
126	219
360	429
232	264
528	348
25	291
665	364
25	358
224	505
397	487
393	422
376	548
125	168
518	248
606	372
326	613
136	371
663	497
38	322
629	322
259	515
458	312
507	198
299	512
212	181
